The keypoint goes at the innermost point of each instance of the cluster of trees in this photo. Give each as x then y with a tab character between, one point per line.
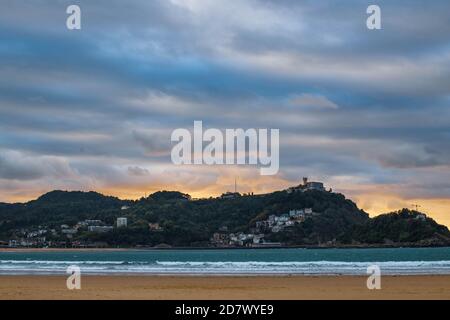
403	226
59	207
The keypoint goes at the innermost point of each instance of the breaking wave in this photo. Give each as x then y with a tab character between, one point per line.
224	267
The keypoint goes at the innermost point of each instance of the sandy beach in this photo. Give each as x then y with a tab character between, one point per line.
223	287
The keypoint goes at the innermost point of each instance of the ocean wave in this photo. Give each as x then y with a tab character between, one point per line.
300	263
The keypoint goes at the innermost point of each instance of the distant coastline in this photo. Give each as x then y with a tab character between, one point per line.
303	216
390	246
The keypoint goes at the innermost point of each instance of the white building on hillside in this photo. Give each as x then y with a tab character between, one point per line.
100	229
122	222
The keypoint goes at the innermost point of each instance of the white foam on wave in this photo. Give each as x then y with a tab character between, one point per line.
226	267
300	263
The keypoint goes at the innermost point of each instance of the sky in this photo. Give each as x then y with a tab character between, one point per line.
365	111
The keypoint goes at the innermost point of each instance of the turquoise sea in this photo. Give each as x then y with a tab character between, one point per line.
232	261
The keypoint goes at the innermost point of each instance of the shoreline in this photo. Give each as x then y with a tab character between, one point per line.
288	287
208	248
219	275
29	250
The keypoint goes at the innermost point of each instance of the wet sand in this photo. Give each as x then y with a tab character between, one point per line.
224	287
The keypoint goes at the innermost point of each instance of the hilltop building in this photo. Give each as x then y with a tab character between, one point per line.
306	186
230	195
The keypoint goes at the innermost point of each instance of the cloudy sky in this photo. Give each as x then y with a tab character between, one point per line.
365	111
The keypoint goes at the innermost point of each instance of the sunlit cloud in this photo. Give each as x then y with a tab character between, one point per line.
367	113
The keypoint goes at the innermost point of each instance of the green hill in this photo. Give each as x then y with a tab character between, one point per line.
177	220
403	226
58	207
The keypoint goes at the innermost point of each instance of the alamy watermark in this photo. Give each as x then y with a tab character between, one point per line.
73	21
235	146
373	22
374	280
73	282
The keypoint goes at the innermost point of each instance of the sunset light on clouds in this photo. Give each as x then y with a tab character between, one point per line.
366	113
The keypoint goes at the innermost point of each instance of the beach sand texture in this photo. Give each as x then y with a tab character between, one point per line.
224	287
